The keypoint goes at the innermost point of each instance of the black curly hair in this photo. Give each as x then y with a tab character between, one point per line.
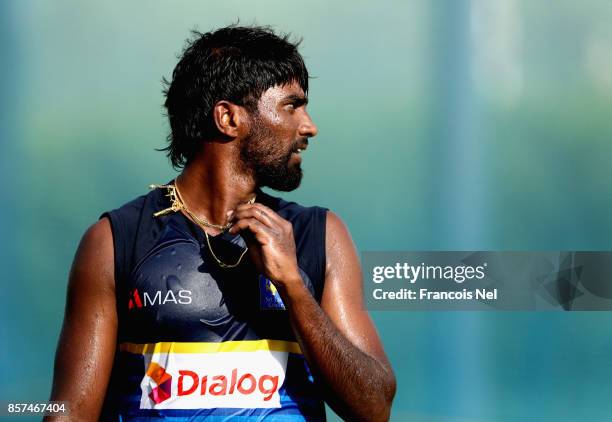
235	63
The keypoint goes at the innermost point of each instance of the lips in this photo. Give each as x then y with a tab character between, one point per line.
300	147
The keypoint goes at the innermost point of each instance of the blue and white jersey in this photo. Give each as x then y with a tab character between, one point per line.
197	341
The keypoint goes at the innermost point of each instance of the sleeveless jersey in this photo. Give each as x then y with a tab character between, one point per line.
196	341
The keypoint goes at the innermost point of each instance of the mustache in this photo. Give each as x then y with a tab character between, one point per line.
300	143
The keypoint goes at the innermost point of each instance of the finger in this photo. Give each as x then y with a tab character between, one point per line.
261	232
267	211
257	213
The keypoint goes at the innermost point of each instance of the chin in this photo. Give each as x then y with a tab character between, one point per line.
286	183
285	187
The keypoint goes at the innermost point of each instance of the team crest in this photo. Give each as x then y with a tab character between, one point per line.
269	298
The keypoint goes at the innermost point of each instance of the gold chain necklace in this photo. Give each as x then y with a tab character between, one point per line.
177	204
201	221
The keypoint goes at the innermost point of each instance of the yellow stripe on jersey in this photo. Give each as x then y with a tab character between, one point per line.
207	347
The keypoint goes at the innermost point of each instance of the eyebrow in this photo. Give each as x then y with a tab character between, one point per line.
296	99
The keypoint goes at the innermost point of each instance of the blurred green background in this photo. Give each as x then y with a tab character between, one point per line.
444	125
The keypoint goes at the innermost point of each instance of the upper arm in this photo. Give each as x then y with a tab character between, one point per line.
86	348
343	293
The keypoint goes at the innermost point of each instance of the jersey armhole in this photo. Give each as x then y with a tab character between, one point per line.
320	226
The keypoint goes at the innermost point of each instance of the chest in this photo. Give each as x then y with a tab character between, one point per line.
177	292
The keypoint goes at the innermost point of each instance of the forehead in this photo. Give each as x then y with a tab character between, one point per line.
279	93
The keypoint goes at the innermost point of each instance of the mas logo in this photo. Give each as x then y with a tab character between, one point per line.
181	297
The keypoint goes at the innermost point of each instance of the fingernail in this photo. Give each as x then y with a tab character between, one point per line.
230	212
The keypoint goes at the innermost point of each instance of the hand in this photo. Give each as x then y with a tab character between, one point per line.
270	241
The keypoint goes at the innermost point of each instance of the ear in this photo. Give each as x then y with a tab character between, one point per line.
229	118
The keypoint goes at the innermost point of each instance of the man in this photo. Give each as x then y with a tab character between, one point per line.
207	298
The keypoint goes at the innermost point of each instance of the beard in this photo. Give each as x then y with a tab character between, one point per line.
263	154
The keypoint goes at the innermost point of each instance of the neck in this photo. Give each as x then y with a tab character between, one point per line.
211	185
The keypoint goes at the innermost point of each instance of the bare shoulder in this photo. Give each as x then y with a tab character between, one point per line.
335	226
94	260
98	234
341	254
342	293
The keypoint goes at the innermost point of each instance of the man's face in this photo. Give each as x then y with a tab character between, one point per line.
280	129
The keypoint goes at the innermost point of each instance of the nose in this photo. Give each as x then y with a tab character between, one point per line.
308	128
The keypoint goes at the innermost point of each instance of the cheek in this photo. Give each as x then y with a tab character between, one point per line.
270	143
268	113
278	135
